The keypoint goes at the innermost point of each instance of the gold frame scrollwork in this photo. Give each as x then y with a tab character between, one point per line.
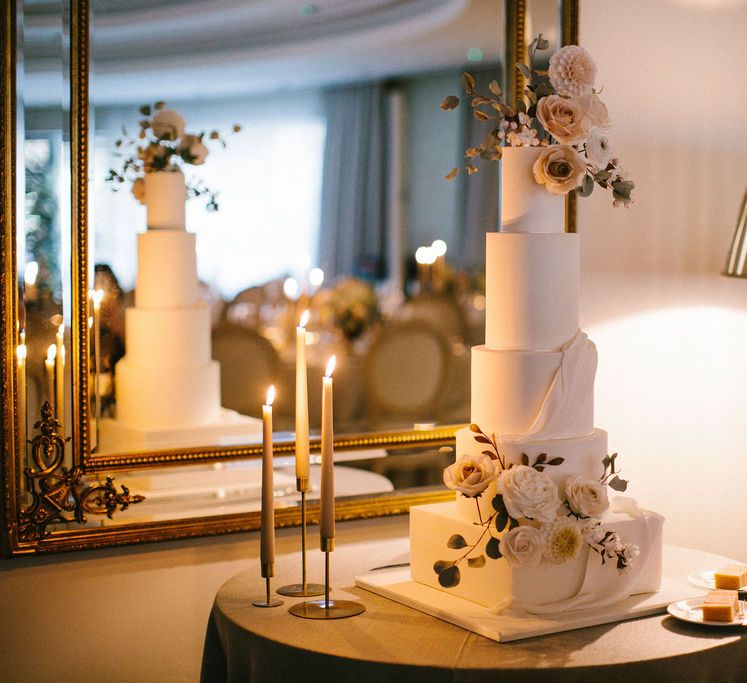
25	531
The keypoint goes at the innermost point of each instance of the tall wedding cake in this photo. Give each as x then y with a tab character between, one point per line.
532	527
167	385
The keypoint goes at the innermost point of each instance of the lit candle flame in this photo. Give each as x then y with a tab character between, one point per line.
51	352
304	318
425	255
270	396
316	277
61	329
21	352
331	366
90	321
98	297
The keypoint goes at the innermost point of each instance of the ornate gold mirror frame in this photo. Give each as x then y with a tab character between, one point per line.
50	492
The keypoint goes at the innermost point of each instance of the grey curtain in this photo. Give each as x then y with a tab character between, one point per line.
353	230
481	191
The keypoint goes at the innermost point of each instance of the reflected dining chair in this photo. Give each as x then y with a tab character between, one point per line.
406	372
249	364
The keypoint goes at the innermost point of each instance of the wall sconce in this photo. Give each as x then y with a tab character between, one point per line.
736	260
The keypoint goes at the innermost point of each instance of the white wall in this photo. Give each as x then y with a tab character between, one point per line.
671	331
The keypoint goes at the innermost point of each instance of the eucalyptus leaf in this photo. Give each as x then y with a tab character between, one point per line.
495	88
541	458
476	561
556	461
501	521
468	83
450	102
456	541
478	100
440	565
449	578
587	186
498	504
493	548
524	459
524	70
618	484
480	438
453	173
471	169
480	115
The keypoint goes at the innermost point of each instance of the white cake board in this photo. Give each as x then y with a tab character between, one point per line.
397	585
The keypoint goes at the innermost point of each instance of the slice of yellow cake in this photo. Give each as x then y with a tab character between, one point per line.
720	605
732	577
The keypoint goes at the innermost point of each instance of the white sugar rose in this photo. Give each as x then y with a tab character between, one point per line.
586	497
522	546
470	474
564	119
595	110
572	71
528	493
167	124
193	150
598	148
559	168
138	189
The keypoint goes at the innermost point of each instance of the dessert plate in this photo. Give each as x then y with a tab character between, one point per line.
690	610
705	580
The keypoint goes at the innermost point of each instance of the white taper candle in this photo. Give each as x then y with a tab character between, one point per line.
302	401
327	517
267	531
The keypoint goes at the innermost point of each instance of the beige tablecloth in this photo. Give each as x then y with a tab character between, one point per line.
391	642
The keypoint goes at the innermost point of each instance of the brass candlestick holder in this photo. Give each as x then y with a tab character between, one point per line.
303	589
326	608
268	571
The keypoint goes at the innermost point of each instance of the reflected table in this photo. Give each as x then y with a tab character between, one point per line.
391	642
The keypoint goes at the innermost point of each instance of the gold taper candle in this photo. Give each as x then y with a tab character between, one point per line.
302	406
327	518
49	364
59	400
267	531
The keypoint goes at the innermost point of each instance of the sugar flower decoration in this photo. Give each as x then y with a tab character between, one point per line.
522	546
528	493
470	474
572	71
586	497
563	540
558	107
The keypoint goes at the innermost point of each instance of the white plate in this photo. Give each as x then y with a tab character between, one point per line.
705	580
689	610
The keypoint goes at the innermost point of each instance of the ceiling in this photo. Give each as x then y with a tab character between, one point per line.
178	49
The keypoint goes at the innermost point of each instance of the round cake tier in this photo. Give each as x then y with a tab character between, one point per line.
156	337
532	290
166	269
165	198
527	206
167	396
581	455
514	392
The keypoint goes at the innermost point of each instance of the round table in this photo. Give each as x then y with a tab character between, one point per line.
391	642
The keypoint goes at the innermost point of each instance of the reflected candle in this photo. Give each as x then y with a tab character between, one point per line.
267	531
49	364
60	375
21	357
302	406
327	518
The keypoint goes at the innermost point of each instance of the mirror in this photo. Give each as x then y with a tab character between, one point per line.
325	195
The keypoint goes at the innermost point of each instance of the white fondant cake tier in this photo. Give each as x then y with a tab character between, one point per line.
548	588
158	337
581	455
534	394
166	269
532	290
165	197
167	396
527	206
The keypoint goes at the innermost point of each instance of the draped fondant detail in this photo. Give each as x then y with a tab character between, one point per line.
568	393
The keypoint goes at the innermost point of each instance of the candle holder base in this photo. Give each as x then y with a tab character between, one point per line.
272	602
298	590
323	609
